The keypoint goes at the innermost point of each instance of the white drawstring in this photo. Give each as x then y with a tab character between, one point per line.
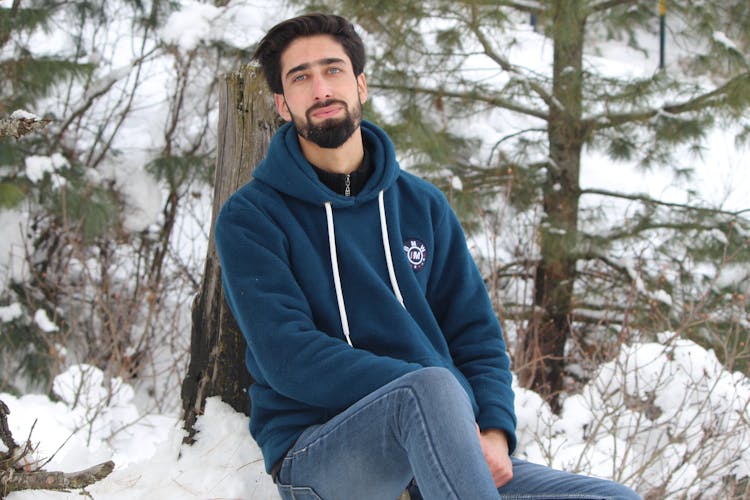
335	268
335	263
387	247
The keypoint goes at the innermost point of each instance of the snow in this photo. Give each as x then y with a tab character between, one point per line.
723	39
10	312
190	25
240	23
141	194
635	421
96	421
43	322
38	166
21	114
641	414
12	263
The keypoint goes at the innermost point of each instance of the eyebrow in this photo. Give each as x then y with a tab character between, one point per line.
320	62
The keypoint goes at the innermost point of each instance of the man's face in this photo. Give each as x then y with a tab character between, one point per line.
322	96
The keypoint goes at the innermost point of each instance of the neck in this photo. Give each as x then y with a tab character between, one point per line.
344	159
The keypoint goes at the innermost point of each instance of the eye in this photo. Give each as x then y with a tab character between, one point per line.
298	78
334	70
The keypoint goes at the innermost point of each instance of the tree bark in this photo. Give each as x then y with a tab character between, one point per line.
247	121
541	353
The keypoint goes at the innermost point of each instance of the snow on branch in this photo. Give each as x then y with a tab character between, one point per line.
21	123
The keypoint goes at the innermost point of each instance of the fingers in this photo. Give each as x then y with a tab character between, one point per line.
495	448
502	472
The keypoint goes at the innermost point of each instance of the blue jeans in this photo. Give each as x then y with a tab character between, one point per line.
420	426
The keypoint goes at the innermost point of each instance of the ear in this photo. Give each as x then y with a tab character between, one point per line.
362	88
281	107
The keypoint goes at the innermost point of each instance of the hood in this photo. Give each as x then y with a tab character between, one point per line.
286	169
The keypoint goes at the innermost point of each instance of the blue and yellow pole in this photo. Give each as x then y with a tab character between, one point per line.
662	29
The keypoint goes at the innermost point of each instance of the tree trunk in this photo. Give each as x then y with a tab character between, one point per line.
247	121
540	359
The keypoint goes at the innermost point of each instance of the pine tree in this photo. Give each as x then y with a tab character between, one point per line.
26	79
442	64
76	244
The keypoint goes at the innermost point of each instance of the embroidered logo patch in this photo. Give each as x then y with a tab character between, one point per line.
416	252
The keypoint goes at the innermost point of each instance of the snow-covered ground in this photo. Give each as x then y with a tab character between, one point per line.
661	414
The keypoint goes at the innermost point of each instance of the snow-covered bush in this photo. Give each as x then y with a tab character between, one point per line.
665	418
94	420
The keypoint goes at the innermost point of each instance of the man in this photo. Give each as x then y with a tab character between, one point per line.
376	354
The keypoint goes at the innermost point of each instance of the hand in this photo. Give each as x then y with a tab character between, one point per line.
495	447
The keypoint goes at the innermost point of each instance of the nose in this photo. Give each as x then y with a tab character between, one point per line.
321	89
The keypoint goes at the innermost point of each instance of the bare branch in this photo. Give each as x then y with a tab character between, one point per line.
11	480
5	435
13	477
100	89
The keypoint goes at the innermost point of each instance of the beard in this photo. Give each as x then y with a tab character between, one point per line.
332	132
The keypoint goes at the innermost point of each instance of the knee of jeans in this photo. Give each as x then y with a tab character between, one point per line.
437	383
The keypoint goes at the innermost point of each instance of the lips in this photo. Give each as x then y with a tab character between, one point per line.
326	110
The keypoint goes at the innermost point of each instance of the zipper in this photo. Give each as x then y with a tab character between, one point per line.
347	185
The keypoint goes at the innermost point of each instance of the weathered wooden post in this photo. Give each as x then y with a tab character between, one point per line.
247	121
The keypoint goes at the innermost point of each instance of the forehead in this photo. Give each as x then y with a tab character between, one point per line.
310	49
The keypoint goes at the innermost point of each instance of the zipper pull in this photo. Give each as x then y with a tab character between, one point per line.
348	186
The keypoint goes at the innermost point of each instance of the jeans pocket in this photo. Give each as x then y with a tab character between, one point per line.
289	492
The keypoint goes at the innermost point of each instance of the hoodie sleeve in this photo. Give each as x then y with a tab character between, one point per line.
286	350
462	307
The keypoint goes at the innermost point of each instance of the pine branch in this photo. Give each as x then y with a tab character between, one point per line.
610	4
20	126
646	225
647	199
697	103
467	96
5	34
527	7
490	52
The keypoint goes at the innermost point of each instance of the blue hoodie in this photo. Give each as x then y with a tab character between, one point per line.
337	296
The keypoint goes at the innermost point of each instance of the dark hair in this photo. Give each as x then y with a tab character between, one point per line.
269	50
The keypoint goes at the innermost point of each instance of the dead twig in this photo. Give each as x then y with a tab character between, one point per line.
11	480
